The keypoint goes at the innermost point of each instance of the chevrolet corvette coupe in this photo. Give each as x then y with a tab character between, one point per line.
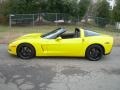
80	43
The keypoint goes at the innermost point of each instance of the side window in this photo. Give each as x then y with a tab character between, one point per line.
90	33
75	34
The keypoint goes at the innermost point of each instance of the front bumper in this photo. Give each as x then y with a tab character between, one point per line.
12	49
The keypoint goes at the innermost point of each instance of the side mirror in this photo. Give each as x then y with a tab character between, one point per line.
58	38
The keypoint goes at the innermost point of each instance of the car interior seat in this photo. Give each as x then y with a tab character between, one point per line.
77	33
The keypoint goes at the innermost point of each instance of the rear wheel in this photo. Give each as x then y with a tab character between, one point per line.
25	51
94	52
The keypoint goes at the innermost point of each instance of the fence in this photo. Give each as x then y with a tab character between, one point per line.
42	19
56	19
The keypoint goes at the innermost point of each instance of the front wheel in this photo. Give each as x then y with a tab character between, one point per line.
94	52
25	51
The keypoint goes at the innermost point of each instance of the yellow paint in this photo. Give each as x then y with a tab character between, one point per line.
62	47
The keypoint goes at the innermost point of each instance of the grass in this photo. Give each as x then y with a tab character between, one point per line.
46	28
4	28
7	33
43	28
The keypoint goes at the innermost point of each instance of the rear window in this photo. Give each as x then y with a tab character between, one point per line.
90	33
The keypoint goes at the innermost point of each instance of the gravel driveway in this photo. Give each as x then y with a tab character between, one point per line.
59	73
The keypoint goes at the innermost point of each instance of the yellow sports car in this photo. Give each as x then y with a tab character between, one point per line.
80	43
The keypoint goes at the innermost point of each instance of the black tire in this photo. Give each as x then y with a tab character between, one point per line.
94	52
25	51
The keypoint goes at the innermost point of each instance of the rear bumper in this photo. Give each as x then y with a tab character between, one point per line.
108	51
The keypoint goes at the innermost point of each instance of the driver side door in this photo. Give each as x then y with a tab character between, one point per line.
62	47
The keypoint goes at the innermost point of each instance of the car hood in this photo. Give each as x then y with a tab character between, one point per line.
30	36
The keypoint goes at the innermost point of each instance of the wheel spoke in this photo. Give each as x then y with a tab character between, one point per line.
95	53
25	51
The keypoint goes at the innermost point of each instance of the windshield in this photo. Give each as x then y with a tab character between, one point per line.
53	34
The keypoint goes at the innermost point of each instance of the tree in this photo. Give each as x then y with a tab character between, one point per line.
55	6
76	8
83	7
116	12
69	7
22	6
102	13
62	6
